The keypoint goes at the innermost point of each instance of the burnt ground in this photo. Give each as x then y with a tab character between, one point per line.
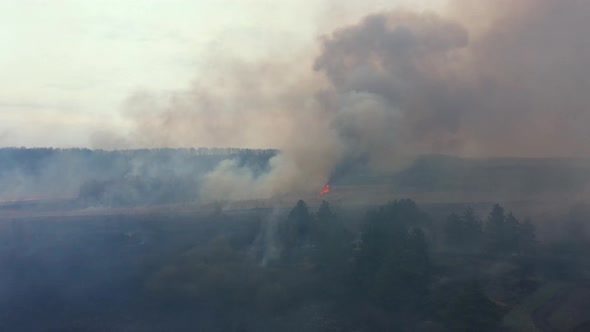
87	273
67	269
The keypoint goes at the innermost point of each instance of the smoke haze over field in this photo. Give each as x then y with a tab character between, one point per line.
507	80
315	165
487	78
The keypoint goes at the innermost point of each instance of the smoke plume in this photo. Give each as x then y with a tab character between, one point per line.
488	79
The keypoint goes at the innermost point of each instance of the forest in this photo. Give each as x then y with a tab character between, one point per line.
119	251
395	269
316	166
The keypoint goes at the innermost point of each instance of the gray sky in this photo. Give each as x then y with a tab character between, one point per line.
68	65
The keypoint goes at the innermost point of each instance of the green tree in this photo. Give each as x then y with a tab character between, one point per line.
295	233
504	233
473	228
453	229
495	229
463	232
527	241
393	265
324	213
468	309
512	232
332	251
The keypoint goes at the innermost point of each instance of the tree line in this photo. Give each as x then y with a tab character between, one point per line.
501	232
380	276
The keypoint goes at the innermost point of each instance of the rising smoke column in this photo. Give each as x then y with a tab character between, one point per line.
508	79
384	71
374	69
528	69
491	78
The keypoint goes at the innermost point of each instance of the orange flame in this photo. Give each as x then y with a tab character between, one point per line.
326	190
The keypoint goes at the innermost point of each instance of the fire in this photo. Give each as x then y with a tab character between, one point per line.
326	190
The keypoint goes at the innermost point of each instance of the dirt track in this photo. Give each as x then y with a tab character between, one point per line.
540	315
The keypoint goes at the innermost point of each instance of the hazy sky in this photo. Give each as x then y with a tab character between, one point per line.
68	65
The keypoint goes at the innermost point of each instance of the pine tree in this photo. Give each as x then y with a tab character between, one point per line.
295	232
494	229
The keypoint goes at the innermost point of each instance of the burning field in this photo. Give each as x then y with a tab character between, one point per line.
313	166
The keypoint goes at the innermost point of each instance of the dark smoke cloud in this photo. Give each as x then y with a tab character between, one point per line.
530	72
515	86
390	90
493	79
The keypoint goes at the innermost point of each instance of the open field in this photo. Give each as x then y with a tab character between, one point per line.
76	263
521	318
87	273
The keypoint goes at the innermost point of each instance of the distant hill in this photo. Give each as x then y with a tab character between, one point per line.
116	178
439	173
124	178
